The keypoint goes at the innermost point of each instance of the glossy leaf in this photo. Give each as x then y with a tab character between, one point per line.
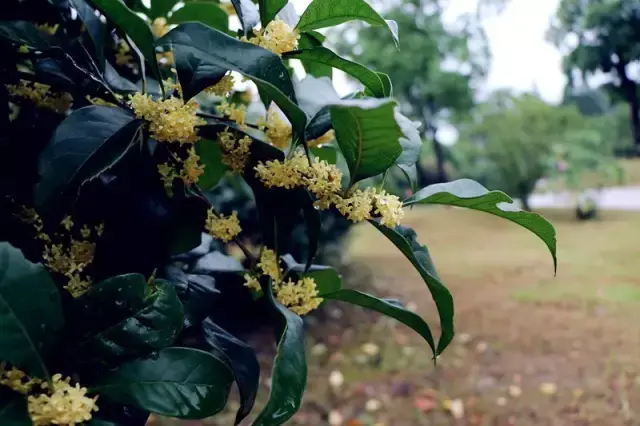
160	8
324	56
387	308
202	11
326	153
95	28
30	312
134	26
289	374
184	383
405	240
86	143
129	318
328	280
368	135
13	409
243	361
196	292
247	14
25	33
316	69
386	82
470	194
329	13
269	9
211	158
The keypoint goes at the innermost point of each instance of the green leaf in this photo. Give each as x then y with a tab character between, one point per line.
411	141
211	158
30	312
329	13
326	153
289	374
126	318
405	239
247	14
184	383
135	27
243	361
95	28
324	56
87	142
13	409
316	69
386	82
201	11
472	195
269	9
368	135
387	308
25	33
161	8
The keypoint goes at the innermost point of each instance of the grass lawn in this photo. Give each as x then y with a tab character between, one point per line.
531	349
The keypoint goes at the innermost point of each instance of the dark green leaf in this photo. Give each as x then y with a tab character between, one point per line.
316	69
326	153
329	13
269	9
116	81
386	82
211	158
472	195
247	14
289	374
161	8
368	135
244	363
196	292
95	28
30	312
134	26
184	383
13	409
322	55
387	308
405	239
25	33
313	225
201	11
194	74
319	124
86	143
129	318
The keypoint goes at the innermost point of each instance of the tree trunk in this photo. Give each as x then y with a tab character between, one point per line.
524	199
441	173
428	116
629	88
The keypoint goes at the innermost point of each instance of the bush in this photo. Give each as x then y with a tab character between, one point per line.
104	180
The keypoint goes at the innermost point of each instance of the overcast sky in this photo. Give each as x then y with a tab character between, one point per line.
522	58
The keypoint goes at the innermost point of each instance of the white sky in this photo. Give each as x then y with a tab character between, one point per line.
522	59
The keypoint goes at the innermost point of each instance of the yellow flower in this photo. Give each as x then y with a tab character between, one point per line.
277	130
389	207
223	228
100	229
284	174
269	264
41	96
160	27
252	282
221	88
67	223
17	380
98	101
123	54
85	232
172	86
300	297
358	206
167	175
63	404
234	112
77	286
324	139
235	153
82	253
48	28
191	168
278	37
170	120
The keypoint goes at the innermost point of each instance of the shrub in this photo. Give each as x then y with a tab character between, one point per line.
103	191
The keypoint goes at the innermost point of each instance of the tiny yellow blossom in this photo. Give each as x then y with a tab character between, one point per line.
321	140
221	88
62	404
48	28
100	229
389	207
223	228
358	206
235	153
17	380
171	86
235	112
277	36
270	265
77	286
98	101
123	54
160	27
170	120
82	253
191	168
300	297
41	96
85	232
167	175
252	282
277	130
284	174
67	223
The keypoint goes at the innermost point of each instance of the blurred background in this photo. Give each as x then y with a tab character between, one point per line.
538	98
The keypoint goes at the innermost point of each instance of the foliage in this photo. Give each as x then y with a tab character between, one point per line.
117	123
602	36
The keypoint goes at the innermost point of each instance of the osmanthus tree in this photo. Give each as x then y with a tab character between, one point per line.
102	183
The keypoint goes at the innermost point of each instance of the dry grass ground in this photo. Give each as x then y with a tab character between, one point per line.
531	349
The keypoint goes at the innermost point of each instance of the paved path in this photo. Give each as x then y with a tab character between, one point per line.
614	198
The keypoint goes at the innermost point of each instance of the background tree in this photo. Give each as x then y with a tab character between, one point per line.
436	70
602	36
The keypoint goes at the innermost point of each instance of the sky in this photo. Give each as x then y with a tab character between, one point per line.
521	58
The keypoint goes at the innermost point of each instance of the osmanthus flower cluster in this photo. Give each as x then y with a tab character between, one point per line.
111	296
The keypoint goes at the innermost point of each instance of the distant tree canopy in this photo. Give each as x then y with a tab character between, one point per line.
602	36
